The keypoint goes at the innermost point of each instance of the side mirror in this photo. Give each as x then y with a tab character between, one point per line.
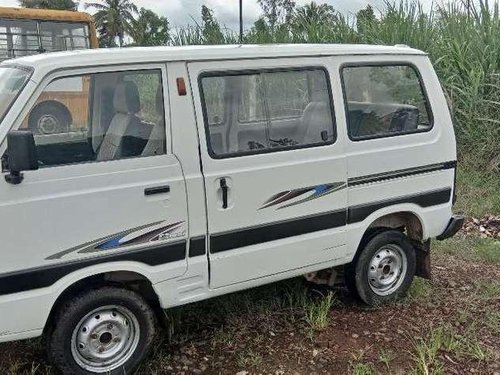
21	155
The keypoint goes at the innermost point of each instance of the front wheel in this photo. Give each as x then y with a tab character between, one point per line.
384	270
106	330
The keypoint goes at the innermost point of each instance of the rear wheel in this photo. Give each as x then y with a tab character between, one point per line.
384	270
106	330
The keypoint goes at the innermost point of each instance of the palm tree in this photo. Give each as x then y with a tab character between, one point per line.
314	14
312	22
49	4
114	18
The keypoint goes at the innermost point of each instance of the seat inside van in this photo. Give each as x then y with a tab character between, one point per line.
127	134
366	119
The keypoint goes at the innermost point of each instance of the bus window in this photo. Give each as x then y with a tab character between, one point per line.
26	32
62	36
18	38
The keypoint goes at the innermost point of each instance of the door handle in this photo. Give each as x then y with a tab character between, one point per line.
223	186
157	190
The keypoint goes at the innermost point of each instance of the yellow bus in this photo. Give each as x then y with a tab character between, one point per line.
25	31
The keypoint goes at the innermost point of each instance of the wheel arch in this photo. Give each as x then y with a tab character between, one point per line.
408	220
405	218
124	278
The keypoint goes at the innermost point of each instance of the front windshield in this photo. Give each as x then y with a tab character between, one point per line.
12	81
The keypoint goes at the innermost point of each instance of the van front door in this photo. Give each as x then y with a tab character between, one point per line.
108	188
274	168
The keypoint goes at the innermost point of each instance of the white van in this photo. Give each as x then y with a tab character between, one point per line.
187	173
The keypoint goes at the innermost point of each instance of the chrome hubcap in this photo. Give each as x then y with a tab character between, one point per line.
47	124
387	270
105	339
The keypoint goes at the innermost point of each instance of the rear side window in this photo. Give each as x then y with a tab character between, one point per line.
265	111
384	101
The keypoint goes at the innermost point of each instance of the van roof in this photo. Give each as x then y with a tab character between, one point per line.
204	53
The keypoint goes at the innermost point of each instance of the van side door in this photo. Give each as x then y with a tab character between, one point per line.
108	189
273	164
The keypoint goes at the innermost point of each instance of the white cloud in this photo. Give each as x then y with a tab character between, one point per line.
182	12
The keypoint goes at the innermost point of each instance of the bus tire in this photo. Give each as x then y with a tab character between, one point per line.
49	118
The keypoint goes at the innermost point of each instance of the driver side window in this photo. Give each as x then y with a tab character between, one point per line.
99	117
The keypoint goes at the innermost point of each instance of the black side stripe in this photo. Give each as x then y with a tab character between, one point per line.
42	277
276	231
197	246
433	198
355	181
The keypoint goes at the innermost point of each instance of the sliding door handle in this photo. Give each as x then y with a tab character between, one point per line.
223	186
157	190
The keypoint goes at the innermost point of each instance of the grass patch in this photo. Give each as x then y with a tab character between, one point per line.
362	369
248	358
488	289
493	321
317	312
473	248
386	357
420	290
477	193
445	339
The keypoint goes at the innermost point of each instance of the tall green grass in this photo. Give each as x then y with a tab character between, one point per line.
464	45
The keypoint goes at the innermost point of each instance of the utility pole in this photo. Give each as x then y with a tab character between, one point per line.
241	21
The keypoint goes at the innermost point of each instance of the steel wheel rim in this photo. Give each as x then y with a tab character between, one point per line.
47	124
387	269
105	339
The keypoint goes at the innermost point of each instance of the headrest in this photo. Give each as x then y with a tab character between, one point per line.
317	111
126	98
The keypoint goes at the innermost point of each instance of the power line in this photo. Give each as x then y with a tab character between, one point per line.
241	21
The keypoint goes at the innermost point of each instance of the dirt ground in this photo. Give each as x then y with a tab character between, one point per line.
450	325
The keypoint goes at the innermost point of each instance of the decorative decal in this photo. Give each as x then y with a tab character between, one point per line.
312	192
159	231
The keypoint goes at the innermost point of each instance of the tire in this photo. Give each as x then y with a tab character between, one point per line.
49	118
383	270
106	324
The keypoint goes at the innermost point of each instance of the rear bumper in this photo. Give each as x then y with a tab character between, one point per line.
456	222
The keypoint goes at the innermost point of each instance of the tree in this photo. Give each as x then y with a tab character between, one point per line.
260	32
149	29
277	12
365	19
313	14
314	23
114	19
50	4
211	31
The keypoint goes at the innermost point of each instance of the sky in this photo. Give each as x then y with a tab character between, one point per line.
182	12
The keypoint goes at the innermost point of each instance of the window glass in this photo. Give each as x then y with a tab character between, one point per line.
12	80
385	101
214	90
62	36
268	111
18	38
99	117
